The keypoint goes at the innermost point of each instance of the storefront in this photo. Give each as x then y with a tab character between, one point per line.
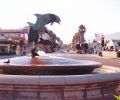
7	47
10	38
4	48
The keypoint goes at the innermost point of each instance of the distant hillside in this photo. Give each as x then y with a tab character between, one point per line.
113	36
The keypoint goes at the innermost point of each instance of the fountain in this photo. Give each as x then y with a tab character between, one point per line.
56	78
48	66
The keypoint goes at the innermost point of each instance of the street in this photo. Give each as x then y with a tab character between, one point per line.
103	60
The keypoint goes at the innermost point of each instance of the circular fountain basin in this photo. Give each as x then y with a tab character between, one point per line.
99	86
63	87
51	65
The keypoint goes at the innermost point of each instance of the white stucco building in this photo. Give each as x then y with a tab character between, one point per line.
114	43
113	40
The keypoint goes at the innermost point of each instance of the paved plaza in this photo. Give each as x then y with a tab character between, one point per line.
103	60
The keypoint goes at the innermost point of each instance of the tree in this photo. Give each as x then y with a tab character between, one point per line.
82	29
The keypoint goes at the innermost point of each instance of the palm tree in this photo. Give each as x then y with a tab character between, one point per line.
79	36
82	29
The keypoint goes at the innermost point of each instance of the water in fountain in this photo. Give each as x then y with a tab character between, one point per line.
47	65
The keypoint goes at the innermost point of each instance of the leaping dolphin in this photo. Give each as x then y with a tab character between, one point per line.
44	19
33	36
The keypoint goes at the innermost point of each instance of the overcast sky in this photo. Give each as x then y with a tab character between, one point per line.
99	16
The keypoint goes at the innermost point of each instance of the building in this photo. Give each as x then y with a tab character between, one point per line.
113	40
14	34
113	43
113	36
9	39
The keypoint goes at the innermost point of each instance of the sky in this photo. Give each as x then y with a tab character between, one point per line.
99	16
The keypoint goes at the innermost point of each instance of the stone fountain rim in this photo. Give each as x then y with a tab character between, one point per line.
59	80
